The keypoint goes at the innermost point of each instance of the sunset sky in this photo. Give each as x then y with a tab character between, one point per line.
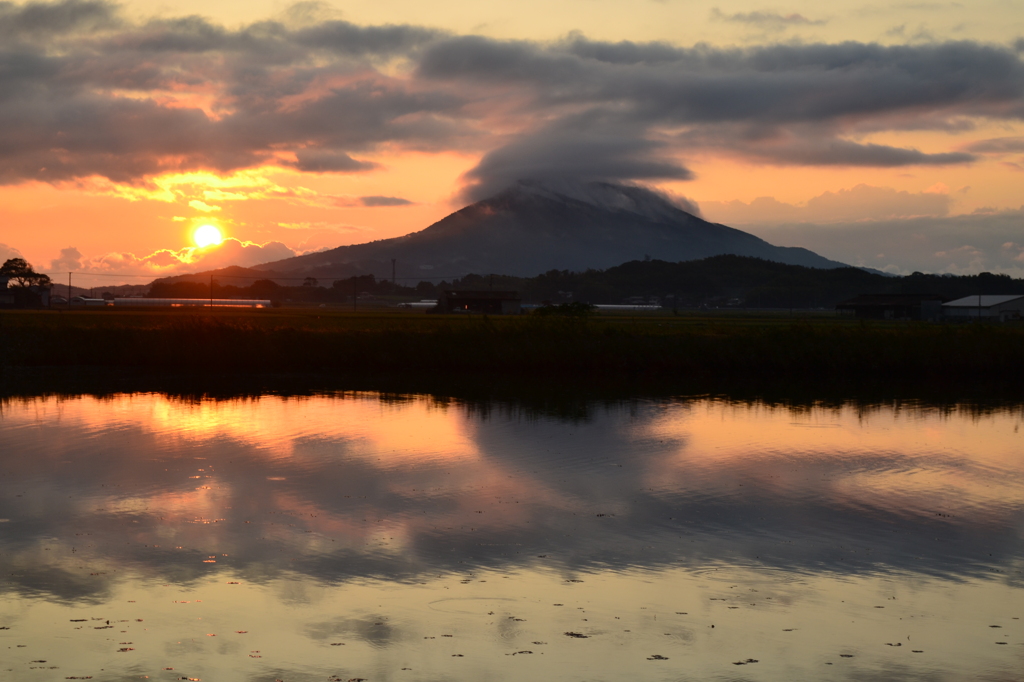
888	135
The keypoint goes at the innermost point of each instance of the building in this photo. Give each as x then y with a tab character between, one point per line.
190	302
893	306
33	296
88	302
6	295
1001	308
485	302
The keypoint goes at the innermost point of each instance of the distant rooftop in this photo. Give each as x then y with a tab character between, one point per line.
888	300
981	301
485	294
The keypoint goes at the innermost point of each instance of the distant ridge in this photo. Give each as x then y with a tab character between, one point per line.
534	227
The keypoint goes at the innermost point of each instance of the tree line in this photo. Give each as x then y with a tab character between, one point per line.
719	281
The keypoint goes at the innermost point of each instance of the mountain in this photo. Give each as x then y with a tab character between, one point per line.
535	227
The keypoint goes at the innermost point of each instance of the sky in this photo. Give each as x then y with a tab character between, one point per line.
887	135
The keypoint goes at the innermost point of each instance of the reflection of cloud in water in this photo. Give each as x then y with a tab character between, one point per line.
343	487
375	630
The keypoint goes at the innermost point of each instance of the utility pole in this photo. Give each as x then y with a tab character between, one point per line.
355	293
393	260
211	292
69	291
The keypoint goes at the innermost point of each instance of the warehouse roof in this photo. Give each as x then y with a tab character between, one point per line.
981	301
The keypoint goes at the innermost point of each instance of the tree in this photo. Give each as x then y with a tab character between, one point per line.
265	288
22	275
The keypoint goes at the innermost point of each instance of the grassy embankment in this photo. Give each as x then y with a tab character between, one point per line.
690	348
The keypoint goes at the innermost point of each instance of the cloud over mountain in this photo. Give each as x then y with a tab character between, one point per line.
106	95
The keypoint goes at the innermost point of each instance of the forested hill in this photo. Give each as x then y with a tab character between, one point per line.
742	281
717	281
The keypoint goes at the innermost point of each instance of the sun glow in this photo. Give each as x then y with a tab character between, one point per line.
207	235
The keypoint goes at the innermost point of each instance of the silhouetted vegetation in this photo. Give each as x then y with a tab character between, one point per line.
741	282
21	275
680	350
721	281
310	291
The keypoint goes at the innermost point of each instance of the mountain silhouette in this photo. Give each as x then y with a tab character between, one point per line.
534	227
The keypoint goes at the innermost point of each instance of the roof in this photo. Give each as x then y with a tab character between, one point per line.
982	301
888	300
483	295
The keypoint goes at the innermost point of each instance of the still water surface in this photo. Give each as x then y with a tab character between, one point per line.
350	536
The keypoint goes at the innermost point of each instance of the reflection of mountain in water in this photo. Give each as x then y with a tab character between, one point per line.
345	488
533	227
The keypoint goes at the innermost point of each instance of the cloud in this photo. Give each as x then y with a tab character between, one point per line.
321	161
845	153
165	262
107	96
783	104
771	20
859	203
39	20
998	145
8	252
775	84
583	148
203	206
962	244
384	201
70	260
235	252
206	97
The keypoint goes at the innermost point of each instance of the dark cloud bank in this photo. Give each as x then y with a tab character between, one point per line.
82	89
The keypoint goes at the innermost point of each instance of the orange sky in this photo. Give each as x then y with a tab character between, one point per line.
296	128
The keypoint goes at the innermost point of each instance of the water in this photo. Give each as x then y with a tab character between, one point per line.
350	536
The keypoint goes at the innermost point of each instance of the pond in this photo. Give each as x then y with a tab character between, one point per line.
347	536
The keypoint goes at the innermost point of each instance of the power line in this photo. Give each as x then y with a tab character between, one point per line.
92	274
86	273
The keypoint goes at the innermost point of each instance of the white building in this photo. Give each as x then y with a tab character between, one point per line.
1002	308
88	302
191	302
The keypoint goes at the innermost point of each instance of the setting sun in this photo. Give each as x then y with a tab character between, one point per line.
206	235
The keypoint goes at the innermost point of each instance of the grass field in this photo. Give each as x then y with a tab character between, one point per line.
764	348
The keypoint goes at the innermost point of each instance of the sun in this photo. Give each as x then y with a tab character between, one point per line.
207	235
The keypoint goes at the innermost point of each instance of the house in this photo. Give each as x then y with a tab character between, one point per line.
486	302
87	302
6	295
893	306
34	296
1001	307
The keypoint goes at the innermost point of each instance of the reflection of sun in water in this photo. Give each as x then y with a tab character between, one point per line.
207	235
